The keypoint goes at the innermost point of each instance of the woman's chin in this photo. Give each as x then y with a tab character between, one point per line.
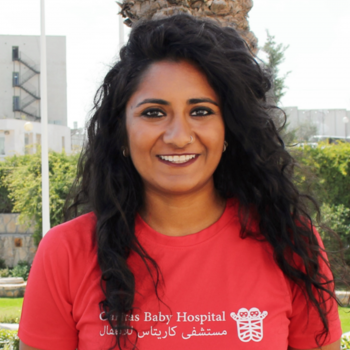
179	188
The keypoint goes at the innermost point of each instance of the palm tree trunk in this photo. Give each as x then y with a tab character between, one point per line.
230	13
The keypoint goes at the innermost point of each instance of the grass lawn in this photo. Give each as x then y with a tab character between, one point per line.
10	310
344	313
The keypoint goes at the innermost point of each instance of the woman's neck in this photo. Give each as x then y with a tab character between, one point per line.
180	215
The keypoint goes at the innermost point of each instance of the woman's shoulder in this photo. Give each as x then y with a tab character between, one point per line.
80	223
73	235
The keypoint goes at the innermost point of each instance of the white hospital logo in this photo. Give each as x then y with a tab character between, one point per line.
249	324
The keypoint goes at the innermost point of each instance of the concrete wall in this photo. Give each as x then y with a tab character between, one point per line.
56	74
13	132
329	122
16	242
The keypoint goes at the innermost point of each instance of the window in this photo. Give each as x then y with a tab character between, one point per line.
63	143
16	103
15	79
2	145
15	53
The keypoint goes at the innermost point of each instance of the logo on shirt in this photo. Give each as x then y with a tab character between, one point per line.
249	324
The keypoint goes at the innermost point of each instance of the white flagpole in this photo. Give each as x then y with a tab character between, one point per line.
44	131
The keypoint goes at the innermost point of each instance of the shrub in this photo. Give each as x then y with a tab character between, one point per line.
23	263
20	270
2	264
5	272
9	340
345	343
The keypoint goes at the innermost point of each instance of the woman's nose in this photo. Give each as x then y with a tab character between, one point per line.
178	132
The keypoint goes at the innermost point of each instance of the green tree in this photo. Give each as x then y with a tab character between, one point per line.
6	205
325	171
275	56
23	182
337	218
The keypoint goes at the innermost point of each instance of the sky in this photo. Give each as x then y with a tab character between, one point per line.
317	32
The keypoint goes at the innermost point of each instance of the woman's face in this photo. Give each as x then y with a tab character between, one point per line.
175	128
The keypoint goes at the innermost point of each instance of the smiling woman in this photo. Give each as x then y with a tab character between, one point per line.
194	235
175	140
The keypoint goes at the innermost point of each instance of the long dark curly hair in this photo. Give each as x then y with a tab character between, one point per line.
256	168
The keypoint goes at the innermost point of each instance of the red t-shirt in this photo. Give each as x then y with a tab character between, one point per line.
219	292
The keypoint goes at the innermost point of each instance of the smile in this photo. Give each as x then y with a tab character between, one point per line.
178	159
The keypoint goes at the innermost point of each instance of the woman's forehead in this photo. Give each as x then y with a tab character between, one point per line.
169	79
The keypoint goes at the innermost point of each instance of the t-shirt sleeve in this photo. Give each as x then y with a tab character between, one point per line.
46	321
305	322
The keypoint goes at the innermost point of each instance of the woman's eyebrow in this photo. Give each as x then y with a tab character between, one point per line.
153	100
194	101
191	101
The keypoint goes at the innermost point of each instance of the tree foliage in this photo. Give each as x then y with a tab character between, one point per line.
22	179
6	205
324	173
337	218
275	56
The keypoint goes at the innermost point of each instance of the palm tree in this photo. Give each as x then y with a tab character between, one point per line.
230	13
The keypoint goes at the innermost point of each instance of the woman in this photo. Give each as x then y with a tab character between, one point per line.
197	238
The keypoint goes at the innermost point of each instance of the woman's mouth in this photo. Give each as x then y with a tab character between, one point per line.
178	159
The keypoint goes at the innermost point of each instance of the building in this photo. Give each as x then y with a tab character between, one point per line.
328	123
77	138
20	94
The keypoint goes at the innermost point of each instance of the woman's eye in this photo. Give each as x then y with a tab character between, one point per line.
201	112
153	113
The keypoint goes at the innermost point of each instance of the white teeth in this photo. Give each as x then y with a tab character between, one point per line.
177	159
